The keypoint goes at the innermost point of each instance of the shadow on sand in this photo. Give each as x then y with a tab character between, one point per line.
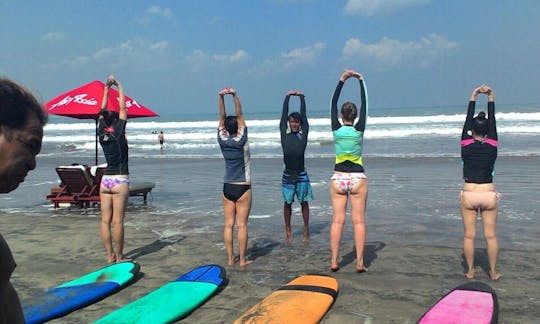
154	246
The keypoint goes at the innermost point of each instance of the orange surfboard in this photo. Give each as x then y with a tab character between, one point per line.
305	299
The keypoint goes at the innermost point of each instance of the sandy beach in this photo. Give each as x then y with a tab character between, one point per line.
413	247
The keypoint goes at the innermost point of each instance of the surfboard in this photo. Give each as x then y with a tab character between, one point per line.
78	293
305	299
171	301
473	302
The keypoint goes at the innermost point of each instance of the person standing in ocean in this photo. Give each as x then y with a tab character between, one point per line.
22	119
348	183
478	152
295	180
161	140
114	188
236	195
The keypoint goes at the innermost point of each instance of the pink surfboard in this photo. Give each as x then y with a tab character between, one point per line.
473	302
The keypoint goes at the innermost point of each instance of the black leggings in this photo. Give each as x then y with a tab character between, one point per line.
233	192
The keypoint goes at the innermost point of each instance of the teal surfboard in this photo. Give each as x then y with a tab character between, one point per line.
171	301
81	292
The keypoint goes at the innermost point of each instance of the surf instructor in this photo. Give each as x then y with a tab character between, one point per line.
295	180
21	132
236	195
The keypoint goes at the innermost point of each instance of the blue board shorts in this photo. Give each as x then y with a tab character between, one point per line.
296	184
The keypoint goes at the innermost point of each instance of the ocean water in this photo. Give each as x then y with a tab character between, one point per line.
390	132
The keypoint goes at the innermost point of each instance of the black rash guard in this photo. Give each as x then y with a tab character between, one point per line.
479	156
294	144
115	147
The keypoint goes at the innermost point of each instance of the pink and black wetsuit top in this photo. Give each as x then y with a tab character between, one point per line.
479	156
115	147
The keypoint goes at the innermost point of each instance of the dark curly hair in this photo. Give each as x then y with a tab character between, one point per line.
16	104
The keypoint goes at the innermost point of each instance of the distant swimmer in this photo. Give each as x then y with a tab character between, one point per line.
161	140
478	152
295	180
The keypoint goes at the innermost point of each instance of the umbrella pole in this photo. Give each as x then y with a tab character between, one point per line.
96	142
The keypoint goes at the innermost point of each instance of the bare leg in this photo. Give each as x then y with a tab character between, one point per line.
229	212
305	217
339	205
358	199
119	198
469	232
105	227
243	207
287	211
489	220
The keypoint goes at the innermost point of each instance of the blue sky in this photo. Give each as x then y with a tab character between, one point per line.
174	56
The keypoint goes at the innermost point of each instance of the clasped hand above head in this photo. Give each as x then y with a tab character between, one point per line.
111	80
227	90
295	93
351	73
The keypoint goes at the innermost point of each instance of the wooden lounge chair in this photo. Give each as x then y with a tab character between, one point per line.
76	183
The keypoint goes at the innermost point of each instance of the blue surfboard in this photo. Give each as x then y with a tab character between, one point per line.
172	301
81	292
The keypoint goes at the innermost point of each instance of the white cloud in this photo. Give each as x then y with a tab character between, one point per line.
302	55
158	11
153	12
133	51
54	36
393	52
373	7
200	59
294	58
159	45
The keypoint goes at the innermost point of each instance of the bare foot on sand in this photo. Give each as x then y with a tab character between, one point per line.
361	269
245	263
494	275
470	274
288	236
111	258
306	234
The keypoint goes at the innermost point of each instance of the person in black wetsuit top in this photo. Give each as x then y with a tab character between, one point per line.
295	180
114	187
479	152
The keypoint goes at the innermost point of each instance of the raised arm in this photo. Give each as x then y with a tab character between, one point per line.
122	113
470	113
105	99
303	114
284	114
335	97
221	105
238	109
492	133
362	117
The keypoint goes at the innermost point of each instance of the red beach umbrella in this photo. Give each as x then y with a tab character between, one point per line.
85	102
